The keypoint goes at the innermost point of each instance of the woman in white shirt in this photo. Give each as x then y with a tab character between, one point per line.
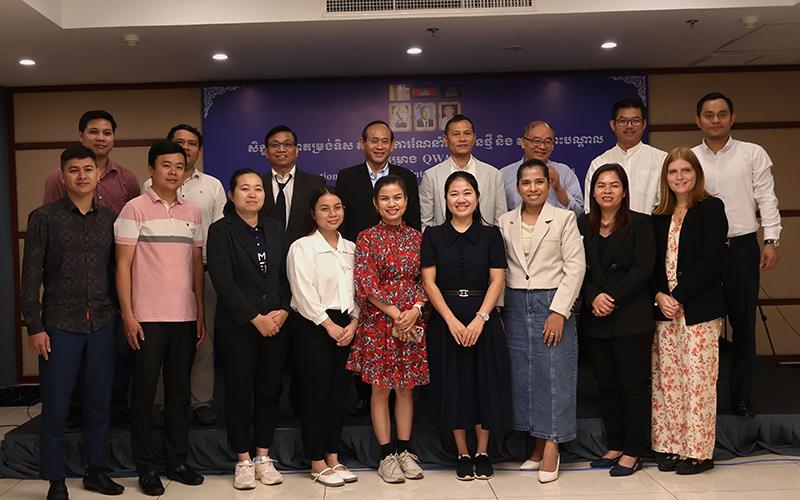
546	264
320	271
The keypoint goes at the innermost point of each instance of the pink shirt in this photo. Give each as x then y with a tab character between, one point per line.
116	187
161	273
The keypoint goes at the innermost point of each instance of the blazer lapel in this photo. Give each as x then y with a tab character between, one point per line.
269	200
615	239
243	239
298	200
366	182
540	229
439	196
515	226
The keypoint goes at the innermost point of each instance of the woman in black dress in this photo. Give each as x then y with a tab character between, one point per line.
463	265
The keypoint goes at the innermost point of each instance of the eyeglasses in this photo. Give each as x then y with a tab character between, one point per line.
623	122
536	142
326	211
274	146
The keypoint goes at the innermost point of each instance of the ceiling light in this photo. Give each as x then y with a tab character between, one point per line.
609	45
220	57
27	62
414	50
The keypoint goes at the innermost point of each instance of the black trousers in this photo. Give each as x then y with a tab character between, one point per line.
740	282
321	366
253	367
170	346
621	366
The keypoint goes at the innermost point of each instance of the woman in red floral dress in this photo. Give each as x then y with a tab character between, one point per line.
389	292
691	231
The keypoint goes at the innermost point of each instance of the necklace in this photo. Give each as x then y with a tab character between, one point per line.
680	212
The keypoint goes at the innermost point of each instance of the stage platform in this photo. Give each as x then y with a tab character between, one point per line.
776	397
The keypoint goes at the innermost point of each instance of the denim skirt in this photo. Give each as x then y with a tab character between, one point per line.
544	379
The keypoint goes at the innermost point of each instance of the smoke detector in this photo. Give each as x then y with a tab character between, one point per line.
750	22
130	40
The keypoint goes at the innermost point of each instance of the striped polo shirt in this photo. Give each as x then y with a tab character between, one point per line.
161	274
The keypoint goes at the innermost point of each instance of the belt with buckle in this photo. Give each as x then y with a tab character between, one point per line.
464	293
738	240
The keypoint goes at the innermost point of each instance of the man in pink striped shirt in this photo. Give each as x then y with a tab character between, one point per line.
160	281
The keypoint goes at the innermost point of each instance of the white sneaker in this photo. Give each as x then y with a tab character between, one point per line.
408	464
389	469
345	473
266	472
245	475
328	479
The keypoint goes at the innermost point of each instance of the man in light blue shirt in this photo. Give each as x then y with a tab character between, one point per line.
565	189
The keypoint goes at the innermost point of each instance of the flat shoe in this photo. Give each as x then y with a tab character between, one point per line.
186	475
150	484
530	465
328	479
604	463
669	463
97	480
344	473
693	466
620	470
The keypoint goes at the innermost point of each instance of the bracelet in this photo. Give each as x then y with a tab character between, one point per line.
398	316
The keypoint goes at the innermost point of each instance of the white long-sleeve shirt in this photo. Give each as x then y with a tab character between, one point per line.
740	174
321	277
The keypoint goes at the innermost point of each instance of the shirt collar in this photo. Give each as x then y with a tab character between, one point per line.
469	168
70	206
284	178
245	225
157	199
373	176
321	244
726	147
630	150
451	235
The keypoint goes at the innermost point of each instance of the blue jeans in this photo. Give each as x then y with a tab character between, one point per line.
57	377
544	380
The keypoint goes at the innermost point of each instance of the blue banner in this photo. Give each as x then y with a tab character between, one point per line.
328	118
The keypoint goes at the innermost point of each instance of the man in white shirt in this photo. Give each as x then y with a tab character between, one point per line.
739	173
208	194
459	137
641	162
538	140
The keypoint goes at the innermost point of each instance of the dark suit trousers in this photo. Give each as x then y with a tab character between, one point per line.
57	377
740	282
253	365
621	366
325	380
170	346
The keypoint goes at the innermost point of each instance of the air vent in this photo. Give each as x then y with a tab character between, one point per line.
344	6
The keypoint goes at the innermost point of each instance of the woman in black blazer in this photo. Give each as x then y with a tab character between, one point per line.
616	320
691	230
247	264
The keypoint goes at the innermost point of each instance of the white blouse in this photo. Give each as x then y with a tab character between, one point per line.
321	277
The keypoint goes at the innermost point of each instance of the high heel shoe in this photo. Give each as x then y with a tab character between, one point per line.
548	477
530	465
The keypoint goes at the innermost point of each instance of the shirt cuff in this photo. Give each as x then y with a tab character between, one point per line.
772	233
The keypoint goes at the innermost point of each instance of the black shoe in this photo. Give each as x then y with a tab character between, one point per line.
122	418
205	416
58	490
668	463
185	475
693	466
743	408
604	463
74	419
150	484
360	409
483	467
620	470
464	468
97	480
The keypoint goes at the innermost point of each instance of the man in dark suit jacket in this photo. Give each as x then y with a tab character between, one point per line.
355	184
288	190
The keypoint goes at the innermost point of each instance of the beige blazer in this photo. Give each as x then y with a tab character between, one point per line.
556	257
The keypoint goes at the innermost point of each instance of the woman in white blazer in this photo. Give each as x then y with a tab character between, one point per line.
546	264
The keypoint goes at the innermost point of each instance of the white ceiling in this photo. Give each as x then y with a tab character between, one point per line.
269	39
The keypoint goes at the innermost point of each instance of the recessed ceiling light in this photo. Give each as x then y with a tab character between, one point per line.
27	62
609	45
220	57
414	50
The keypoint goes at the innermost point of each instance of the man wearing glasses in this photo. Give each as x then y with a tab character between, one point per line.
641	162
538	140
288	190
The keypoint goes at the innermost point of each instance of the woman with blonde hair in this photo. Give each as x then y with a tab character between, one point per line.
691	229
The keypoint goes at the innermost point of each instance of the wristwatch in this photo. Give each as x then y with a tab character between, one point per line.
773	241
419	308
484	316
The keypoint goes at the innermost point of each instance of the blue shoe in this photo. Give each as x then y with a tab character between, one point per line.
620	470
604	463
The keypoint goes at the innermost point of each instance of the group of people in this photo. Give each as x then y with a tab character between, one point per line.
465	288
